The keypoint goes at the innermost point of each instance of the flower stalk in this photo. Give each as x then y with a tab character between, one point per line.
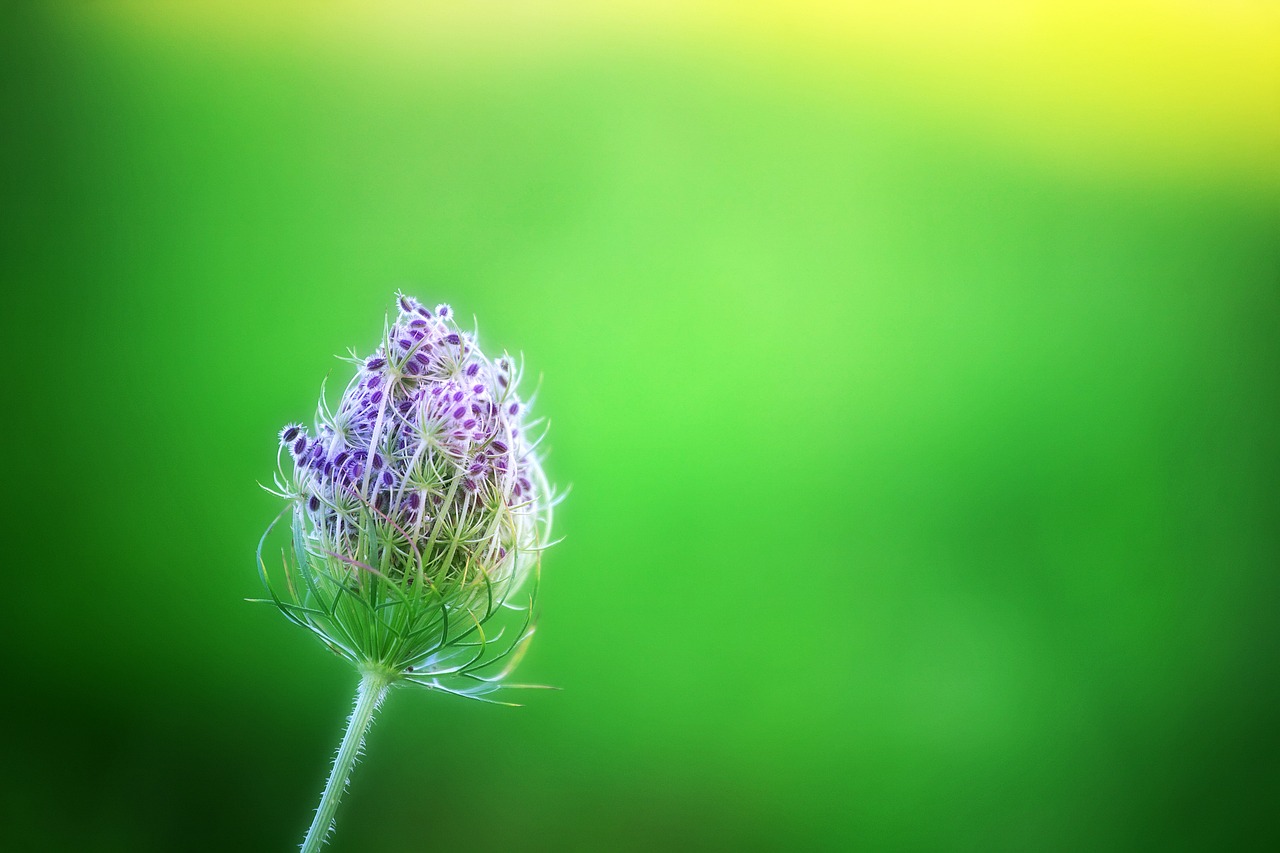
369	695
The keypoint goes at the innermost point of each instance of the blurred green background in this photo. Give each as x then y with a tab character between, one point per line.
915	373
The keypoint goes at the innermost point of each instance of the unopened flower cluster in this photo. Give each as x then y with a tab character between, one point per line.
425	469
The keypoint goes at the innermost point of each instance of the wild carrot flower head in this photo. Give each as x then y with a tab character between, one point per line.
419	508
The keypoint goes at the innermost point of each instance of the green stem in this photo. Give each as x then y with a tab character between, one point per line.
369	695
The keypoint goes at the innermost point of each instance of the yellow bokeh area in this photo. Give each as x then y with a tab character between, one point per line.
1187	89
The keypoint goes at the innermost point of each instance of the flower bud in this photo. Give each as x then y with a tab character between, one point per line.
419	510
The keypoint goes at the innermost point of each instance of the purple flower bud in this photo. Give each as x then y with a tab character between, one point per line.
417	455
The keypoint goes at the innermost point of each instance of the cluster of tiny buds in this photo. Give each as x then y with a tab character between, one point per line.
428	429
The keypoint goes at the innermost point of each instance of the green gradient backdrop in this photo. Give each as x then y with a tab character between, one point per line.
922	498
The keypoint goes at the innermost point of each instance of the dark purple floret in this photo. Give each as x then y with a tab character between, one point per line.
375	398
499	446
313	504
422	356
300	446
377	362
443	310
290	433
459	412
453	338
408	304
415	500
473	368
374	381
513	409
476	469
405	343
387	479
412	368
469	423
469	484
341	458
457	396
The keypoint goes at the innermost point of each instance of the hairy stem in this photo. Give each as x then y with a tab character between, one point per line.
369	695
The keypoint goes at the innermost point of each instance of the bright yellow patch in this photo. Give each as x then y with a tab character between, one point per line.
1180	88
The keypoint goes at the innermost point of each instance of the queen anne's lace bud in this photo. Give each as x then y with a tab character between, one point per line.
419	509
